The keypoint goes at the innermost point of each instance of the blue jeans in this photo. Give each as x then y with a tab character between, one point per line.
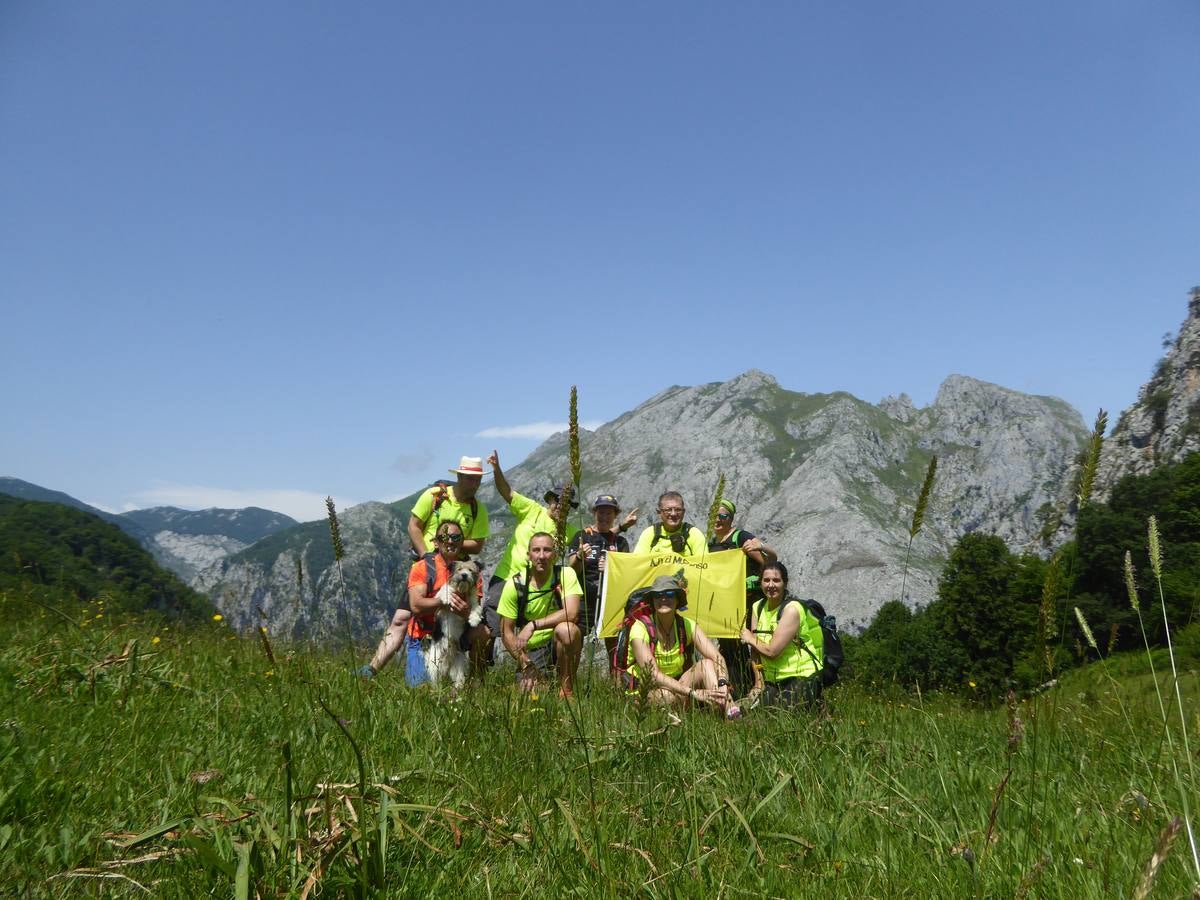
414	670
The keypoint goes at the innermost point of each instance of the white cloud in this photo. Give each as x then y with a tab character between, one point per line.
304	506
533	431
102	507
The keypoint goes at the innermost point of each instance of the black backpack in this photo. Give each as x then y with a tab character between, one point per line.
678	539
522	587
831	643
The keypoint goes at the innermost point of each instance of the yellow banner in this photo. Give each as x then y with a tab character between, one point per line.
716	588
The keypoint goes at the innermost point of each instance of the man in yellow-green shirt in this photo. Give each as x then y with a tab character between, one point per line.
538	610
457	502
531	517
672	534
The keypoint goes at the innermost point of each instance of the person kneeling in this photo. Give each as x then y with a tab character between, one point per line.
789	639
538	611
662	649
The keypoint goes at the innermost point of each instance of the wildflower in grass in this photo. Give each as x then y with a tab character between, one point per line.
156	639
1155	549
218	617
1130	584
971	683
1091	460
716	506
573	436
1087	631
335	530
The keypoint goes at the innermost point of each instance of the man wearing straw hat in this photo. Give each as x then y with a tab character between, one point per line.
441	503
456	501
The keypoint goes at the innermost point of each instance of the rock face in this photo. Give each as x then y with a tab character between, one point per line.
828	480
291	583
1163	426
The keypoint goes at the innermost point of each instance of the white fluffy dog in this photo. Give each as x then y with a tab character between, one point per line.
444	656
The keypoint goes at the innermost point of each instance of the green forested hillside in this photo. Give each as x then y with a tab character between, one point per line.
55	545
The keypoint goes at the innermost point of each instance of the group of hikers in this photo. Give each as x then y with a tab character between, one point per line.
541	608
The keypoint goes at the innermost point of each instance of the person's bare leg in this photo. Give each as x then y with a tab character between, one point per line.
569	642
393	638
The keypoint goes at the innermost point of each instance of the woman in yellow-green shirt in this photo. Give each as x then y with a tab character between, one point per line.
788	639
662	666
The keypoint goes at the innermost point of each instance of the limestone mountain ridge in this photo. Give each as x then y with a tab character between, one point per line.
827	480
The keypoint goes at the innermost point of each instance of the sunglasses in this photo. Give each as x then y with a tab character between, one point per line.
667	510
671	595
451	538
724	515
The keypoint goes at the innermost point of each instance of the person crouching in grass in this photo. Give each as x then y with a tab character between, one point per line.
662	669
538	611
789	640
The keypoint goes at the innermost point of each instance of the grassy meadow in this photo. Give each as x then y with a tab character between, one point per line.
148	760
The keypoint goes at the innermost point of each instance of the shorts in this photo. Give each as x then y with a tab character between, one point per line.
491	601
543	658
793	692
404	603
415	673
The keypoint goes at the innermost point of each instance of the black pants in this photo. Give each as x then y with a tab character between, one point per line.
793	692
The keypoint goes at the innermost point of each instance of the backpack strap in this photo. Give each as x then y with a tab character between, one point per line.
523	591
678	540
430	560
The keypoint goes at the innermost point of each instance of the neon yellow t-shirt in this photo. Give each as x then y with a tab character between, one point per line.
697	544
794	661
542	601
474	525
531	517
668	659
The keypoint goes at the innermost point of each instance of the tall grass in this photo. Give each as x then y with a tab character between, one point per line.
183	775
918	519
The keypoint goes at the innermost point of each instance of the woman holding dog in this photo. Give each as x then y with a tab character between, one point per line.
789	641
661	668
423	596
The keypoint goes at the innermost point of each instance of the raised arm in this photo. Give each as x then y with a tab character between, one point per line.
503	488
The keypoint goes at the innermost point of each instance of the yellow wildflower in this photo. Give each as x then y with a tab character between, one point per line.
218	617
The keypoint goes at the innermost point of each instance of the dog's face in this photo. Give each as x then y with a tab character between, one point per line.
463	578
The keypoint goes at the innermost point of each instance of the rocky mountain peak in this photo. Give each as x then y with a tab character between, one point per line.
1163	424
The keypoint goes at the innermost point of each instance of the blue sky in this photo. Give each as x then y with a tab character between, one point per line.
261	253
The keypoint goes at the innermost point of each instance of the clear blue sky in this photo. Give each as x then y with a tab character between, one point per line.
255	253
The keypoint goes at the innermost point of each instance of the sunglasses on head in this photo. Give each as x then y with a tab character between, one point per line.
449	538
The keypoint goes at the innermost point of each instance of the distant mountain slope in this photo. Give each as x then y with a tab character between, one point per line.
25	490
246	525
827	479
73	550
185	541
188	541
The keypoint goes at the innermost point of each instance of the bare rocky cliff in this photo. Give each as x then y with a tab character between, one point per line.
1163	425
